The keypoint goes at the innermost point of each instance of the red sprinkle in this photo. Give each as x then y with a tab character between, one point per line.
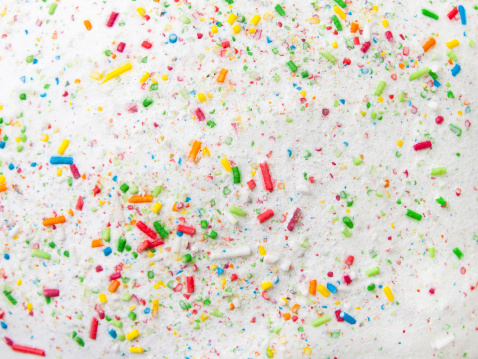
186	229
251	184
112	19
190	284
439	120
93	328
28	350
79	203
451	15
347	279
120	47
266	176
265	216
365	47
422	145
349	260
337	315
74	171
233	277
146	44
146	230
143	246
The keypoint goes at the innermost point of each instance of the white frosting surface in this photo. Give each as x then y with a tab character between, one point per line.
259	114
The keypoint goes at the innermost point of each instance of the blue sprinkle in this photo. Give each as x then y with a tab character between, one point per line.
188	199
23	79
34	164
331	288
342	102
290	152
11	166
346	144
2	145
57	57
380	286
43	95
299	88
56	160
107	251
179	234
112	332
436	83
6	256
220	270
173	38
461	9
35	61
292	47
147	311
26	32
57	80
455	70
349	319
4	325
115	178
268	40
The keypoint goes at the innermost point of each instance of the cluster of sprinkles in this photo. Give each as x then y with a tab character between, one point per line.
128	234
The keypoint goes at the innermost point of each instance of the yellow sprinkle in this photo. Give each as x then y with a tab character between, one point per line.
363	113
251	30
339	12
144	78
385	23
214	29
150	254
335	45
303	93
141	11
453	43
337	303
255	20
253	174
205	152
157	207
201	97
323	290
18	139
119	71
58	172
460	113
313	20
262	251
204	317
19	282
393	226
29	307
399	143
375	8
155	303
213	267
137	350
266	285
307	351
132	334
380	99
63	147
388	293
226	164
232	18
236	28
164	77
2	179
103	299
96	75
347	210
268	16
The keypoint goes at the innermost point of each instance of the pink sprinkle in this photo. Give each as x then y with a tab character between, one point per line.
389	35
439	120
200	114
365	47
337	315
120	47
330	274
347	279
112	19
51	292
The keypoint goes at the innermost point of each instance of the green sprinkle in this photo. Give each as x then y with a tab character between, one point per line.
337	23
203	224
458	253
348	222
429	14
419	73
237	211
292	66
372	271
213	234
121	244
328	56
124	188
357	161
279	10
186	258
381	85
431	252
156	191
401	97
147	101
52	8
322	320
438	171
346	232
414	215
371	287
106	234
340	3
116	323
160	229
456	130
41	254
441	201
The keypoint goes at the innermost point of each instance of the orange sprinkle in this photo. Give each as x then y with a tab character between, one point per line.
141	199
286	316
429	44
113	286
54	220
313	287
232	307
295	308
354	27
3	187
87	25
222	75
387	182
194	150
97	243
402	66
